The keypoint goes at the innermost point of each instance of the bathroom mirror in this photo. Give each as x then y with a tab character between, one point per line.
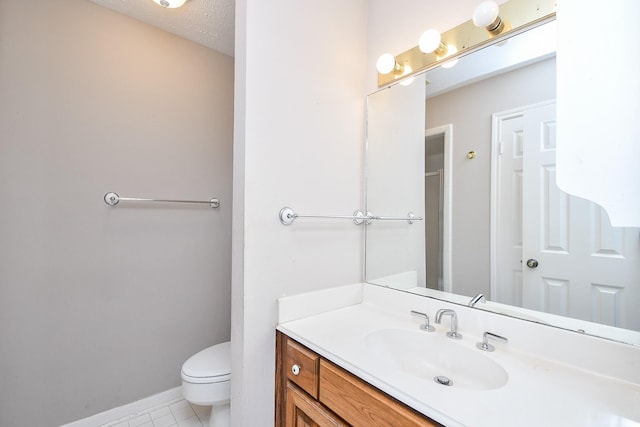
476	162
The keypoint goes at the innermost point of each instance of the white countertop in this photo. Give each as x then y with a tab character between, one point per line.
540	391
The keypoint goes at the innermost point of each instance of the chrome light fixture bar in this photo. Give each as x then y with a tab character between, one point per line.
515	16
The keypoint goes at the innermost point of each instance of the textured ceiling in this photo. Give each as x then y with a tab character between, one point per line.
207	22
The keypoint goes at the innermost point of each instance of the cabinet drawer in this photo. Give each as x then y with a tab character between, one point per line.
301	366
362	405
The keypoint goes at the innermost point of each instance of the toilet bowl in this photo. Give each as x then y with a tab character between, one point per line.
206	380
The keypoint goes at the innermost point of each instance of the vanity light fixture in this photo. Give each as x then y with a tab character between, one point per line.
486	15
387	64
431	41
170	4
443	50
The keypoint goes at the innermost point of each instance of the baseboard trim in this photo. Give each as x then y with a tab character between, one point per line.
141	405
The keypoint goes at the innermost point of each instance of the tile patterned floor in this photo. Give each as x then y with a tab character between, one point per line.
178	413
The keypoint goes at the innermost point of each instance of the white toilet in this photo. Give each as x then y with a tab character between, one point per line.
206	380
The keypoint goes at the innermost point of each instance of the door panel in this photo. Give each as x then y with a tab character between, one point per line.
508	287
555	213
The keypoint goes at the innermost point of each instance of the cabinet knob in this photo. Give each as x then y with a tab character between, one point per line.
295	369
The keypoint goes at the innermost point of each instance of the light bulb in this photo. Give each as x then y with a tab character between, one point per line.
452	50
386	63
485	13
407	82
429	41
170	4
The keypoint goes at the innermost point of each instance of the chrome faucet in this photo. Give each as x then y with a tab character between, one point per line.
477	299
454	322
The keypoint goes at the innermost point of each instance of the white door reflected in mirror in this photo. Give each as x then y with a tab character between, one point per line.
554	252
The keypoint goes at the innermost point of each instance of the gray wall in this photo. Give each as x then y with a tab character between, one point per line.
469	109
100	306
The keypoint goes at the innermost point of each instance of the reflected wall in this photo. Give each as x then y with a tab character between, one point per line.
394	170
469	110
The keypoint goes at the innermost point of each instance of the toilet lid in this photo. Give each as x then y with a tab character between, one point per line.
212	364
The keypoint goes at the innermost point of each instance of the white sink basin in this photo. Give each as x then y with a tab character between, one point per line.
427	355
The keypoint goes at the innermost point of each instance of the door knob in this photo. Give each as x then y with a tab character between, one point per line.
532	263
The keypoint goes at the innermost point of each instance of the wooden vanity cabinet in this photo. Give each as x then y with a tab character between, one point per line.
313	392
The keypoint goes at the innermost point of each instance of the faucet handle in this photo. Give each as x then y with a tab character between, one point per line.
425	326
485	346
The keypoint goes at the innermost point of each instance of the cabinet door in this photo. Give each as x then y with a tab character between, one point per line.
363	405
302	411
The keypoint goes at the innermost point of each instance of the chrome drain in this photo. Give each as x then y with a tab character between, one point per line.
442	380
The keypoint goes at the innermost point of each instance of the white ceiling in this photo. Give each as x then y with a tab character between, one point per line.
207	22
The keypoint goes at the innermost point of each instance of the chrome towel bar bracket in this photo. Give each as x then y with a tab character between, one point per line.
288	215
113	199
410	218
